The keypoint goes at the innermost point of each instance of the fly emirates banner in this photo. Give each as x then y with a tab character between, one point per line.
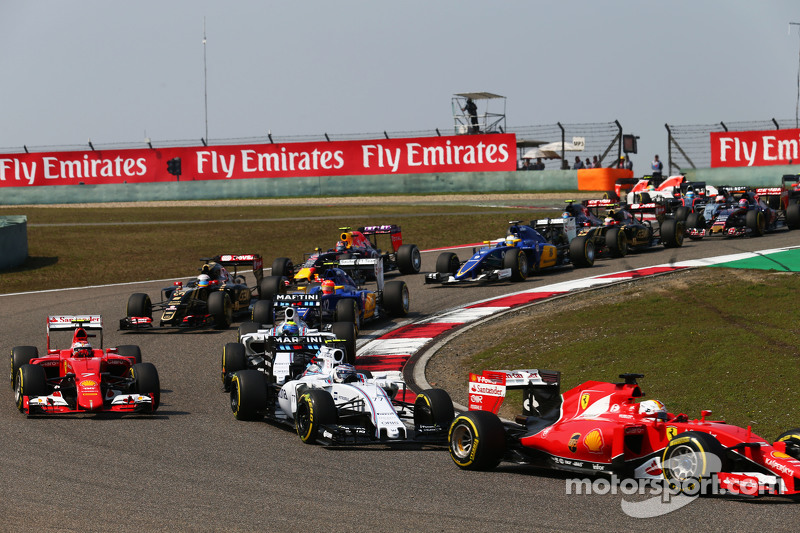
463	153
755	148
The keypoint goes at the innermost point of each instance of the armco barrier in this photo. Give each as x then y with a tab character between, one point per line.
13	241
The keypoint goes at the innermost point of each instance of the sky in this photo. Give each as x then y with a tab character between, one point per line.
117	72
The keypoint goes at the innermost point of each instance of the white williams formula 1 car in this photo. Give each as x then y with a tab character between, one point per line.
331	403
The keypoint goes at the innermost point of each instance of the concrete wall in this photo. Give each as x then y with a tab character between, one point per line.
13	241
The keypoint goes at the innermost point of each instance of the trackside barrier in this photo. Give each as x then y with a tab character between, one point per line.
13	241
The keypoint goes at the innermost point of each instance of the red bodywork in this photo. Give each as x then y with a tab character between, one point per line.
599	428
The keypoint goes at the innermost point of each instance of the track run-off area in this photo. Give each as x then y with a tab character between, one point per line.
193	467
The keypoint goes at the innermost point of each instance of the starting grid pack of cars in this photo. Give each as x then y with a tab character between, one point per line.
294	361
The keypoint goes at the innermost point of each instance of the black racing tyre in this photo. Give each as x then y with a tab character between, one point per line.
395	298
234	359
347	311
689	458
672	233
610	195
139	305
263	313
696	220
792	440
21	355
248	395
477	440
793	216
315	408
346	331
220	308
409	260
270	286
617	242
31	381
447	263
433	407
131	351
755	222
145	381
283	266
517	261
643	198
247	328
581	252
682	213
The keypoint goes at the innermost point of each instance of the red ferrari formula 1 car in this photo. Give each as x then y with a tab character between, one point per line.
606	428
80	378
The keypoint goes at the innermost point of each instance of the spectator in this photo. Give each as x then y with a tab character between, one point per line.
578	165
526	164
539	165
587	164
596	162
657	167
472	111
628	162
621	162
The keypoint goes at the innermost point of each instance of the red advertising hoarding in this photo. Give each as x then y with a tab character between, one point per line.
755	148
463	153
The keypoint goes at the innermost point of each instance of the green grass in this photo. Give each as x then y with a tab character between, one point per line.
64	254
725	343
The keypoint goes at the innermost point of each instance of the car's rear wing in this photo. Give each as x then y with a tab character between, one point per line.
656	209
546	226
237	260
73	322
297	300
393	230
541	389
373	264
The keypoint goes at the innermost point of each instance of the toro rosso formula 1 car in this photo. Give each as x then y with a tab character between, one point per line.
81	378
284	349
331	403
354	244
211	299
524	251
606	428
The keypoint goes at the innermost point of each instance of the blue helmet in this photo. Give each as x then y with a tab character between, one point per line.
290	328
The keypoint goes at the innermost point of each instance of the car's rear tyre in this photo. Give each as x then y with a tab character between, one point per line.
272	285
346	331
672	233
689	458
263	313
31	381
696	220
792	440
395	298
21	355
234	359
315	408
517	261
139	305
582	252
447	263
433	407
409	259
617	242
145	381
793	216
131	351
682	213
643	198
755	222
477	440
248	395
347	311
220	308
283	266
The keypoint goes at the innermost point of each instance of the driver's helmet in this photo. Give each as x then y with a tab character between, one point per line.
653	407
328	286
651	187
313	367
510	240
203	279
690	195
743	203
345	373
81	349
290	328
719	199
341	246
565	214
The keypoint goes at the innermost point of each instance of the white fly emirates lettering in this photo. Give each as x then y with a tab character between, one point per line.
417	155
751	148
255	162
86	168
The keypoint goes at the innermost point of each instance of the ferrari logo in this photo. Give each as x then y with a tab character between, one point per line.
671	432
584	400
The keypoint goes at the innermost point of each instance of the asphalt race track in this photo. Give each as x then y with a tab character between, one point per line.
194	467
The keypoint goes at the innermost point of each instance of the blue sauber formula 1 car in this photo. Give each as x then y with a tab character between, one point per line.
525	250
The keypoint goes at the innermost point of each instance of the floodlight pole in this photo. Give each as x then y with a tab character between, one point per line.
205	78
797	102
